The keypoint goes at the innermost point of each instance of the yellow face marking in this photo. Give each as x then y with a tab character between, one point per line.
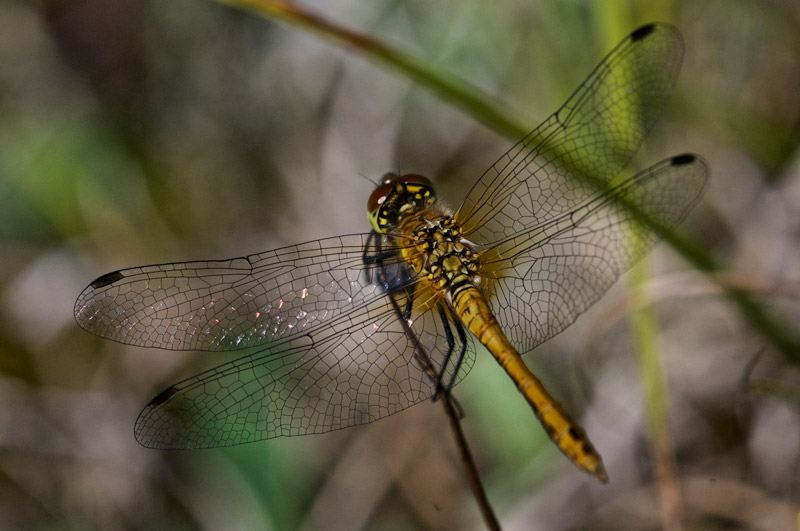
398	197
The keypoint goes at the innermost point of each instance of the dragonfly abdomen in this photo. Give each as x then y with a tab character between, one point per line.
438	252
471	307
433	245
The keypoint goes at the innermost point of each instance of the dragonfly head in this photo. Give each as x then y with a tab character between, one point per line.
398	196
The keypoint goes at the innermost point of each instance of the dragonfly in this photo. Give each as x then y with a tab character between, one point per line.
346	330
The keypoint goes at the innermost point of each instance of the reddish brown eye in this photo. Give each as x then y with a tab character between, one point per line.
413	178
379	195
387	186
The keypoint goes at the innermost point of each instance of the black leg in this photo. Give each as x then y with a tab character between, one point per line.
383	269
380	256
405	313
410	290
398	284
451	346
462	336
451	343
365	256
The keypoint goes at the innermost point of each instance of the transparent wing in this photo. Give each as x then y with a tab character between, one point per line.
348	341
542	278
232	304
581	147
359	366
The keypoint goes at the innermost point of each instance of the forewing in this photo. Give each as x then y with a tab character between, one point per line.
232	304
353	369
581	147
540	280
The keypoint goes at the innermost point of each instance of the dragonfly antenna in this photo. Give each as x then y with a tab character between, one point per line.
370	180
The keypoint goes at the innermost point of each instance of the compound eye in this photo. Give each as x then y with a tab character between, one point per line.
379	195
388	178
413	178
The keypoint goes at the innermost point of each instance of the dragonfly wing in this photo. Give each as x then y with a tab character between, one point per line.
541	279
353	369
232	304
583	145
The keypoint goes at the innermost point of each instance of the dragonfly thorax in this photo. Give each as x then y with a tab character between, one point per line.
436	249
398	196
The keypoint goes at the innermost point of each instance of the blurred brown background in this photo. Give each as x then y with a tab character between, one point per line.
135	132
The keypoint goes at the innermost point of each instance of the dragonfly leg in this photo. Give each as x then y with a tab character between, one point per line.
379	274
404	310
462	336
376	258
420	354
365	257
409	303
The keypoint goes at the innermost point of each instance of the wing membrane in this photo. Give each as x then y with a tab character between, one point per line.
232	304
338	352
356	368
583	145
546	276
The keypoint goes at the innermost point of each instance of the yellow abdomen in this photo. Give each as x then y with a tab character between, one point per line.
433	246
473	310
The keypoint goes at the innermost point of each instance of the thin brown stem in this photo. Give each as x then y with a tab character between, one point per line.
443	395
470	468
450	88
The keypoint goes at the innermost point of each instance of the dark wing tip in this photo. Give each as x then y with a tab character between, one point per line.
151	430
642	32
162	397
107	279
682	160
